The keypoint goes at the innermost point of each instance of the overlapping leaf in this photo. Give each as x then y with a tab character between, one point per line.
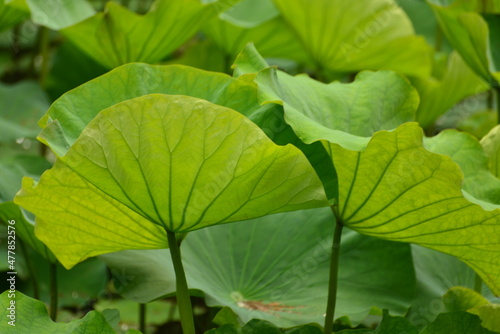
352	36
438	95
163	162
57	15
469	33
276	268
119	36
12	12
390	186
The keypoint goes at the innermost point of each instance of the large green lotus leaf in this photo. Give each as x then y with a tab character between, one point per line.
438	95
397	190
466	151
31	316
348	113
273	38
276	268
119	36
163	162
491	145
468	33
66	118
12	12
347	36
20	113
56	14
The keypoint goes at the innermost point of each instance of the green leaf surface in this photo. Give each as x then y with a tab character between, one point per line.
462	299
394	325
352	36
491	146
466	151
12	12
250	13
66	119
57	14
273	38
397	190
456	323
208	153
436	274
276	268
479	123
12	170
490	315
340	112
31	316
438	95
19	113
468	33
119	36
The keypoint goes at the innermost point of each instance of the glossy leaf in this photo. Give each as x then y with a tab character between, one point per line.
65	119
491	145
31	316
119	36
349	37
20	114
276	268
438	95
208	153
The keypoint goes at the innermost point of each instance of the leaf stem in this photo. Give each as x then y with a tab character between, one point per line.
496	88
183	298
334	271
142	317
31	270
53	291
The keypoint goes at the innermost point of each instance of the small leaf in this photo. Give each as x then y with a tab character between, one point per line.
163	162
490	316
31	316
394	325
257	326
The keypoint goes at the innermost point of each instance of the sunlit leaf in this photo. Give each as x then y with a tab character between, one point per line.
276	267
109	192
119	36
346	36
